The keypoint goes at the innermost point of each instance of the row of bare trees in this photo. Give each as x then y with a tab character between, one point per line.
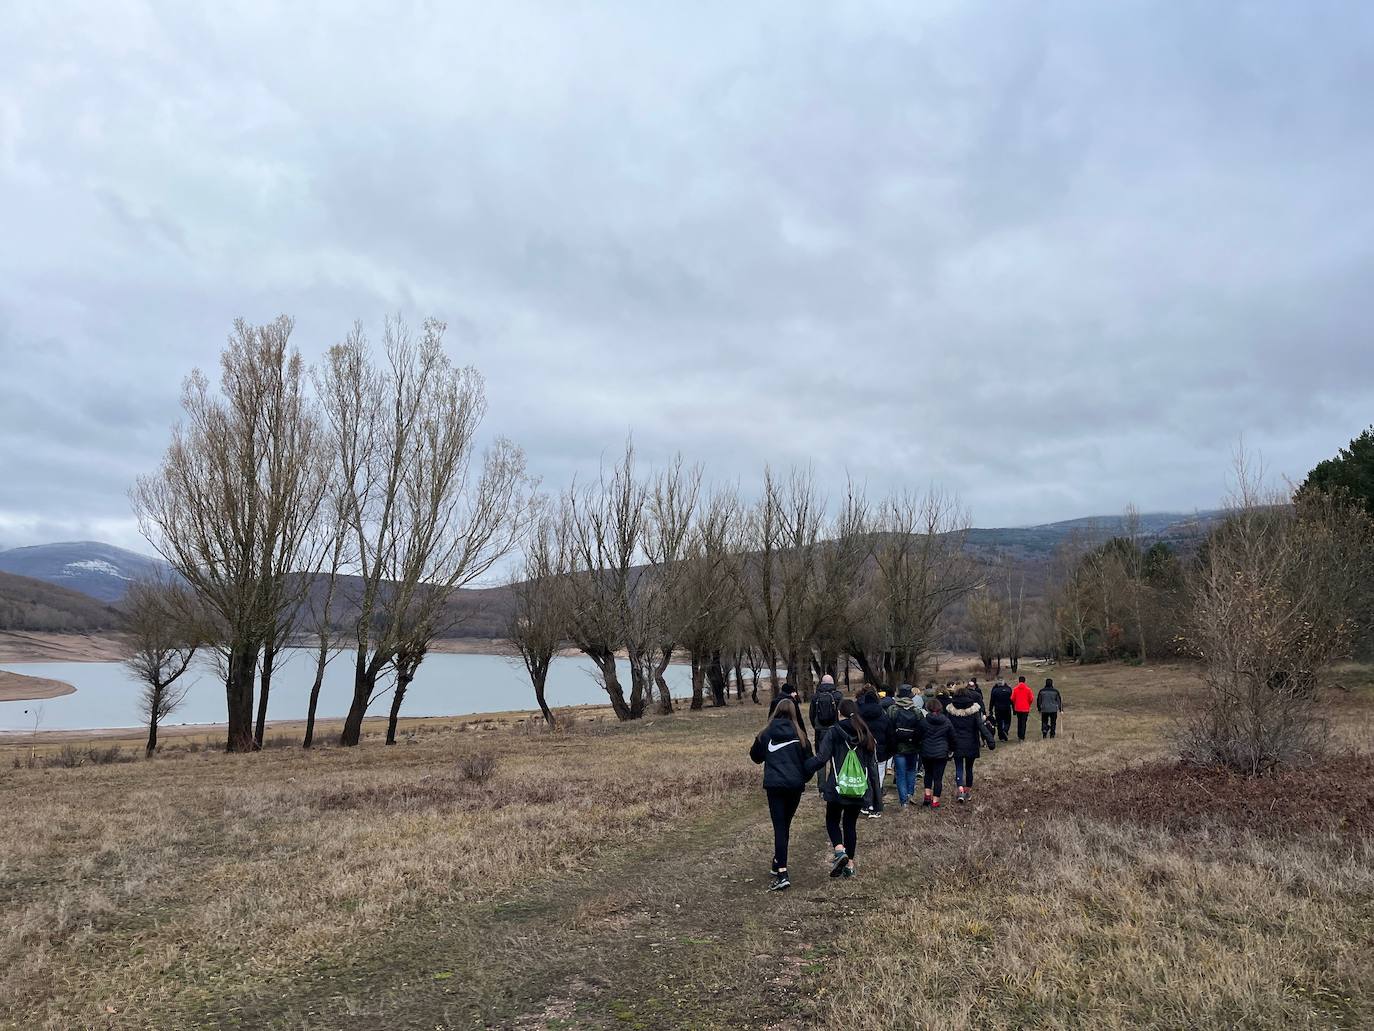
363	474
645	567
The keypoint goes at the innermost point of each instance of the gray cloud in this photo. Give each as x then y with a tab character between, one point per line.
1056	257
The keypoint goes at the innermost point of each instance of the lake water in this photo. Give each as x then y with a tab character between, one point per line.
446	685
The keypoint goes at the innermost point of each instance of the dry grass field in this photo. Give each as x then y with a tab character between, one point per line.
488	874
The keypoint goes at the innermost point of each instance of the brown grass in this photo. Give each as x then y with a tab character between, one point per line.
494	872
130	888
1097	884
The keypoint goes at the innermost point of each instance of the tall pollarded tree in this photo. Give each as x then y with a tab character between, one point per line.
603	526
423	522
233	506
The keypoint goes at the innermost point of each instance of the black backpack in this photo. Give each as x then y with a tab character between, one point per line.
827	707
906	724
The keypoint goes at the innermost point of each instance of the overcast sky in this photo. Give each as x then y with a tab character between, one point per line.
1056	257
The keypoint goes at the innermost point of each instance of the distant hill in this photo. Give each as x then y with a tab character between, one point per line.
99	570
35	605
104	572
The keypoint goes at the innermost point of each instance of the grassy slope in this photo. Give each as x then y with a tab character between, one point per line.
613	877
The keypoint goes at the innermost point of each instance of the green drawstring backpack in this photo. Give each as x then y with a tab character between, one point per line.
851	779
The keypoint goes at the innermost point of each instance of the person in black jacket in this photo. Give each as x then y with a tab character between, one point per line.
783	749
978	693
937	741
842	811
1001	708
786	691
969	729
1050	704
825	706
871	709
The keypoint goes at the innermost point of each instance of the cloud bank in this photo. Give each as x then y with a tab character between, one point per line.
1054	257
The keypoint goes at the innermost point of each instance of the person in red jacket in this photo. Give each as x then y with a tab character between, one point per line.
1022	698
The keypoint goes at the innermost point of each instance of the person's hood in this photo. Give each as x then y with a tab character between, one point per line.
905	703
846	728
936	720
965	707
780	727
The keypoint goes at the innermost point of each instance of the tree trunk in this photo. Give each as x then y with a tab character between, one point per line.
774	686
871	676
610	680
152	728
755	678
238	688
665	697
364	683
715	673
320	663
269	660
638	688
698	682
739	678
539	676
397	696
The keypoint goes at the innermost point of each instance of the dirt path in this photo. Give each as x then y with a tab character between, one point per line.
676	934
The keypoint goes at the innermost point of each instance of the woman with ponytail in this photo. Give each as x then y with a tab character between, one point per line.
843	796
783	749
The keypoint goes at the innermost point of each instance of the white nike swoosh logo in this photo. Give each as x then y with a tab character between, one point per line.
773	748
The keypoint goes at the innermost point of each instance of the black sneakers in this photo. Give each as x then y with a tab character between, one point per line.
840	864
780	882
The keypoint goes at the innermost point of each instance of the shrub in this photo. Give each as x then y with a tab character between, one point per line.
476	767
1275	599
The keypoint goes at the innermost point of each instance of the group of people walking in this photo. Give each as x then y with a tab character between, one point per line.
859	740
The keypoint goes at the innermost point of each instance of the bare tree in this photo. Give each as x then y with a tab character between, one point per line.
657	600
1276	598
232	506
1135	568
1071	597
708	604
539	615
163	629
320	610
920	569
757	578
603	526
1014	611
802	514
987	624
402	436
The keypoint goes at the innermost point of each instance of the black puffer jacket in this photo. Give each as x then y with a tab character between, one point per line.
783	755
937	736
833	751
1001	698
969	728
875	716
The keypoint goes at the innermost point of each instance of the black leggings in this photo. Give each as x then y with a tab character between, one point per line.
935	775
841	823
1021	725
1049	723
782	806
